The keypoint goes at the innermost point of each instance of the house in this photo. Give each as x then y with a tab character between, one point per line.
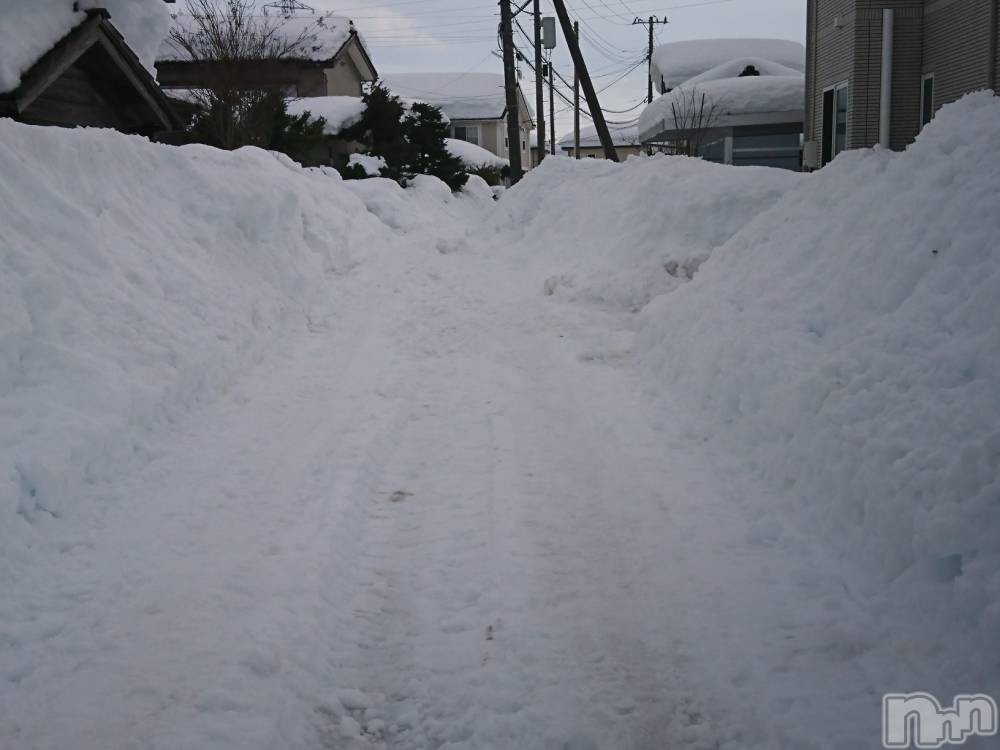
474	103
70	67
625	139
328	58
877	72
731	101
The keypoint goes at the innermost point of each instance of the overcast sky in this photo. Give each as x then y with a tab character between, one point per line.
448	35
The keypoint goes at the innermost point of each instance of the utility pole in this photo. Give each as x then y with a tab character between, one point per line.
552	107
510	84
588	85
651	22
539	83
576	99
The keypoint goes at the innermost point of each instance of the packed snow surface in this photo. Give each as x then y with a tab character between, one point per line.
461	96
340	112
30	28
473	155
676	62
660	454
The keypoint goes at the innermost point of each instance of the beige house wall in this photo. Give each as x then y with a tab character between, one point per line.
343	79
493	136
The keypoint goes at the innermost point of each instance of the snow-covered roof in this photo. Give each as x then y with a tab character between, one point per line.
739	101
774	92
339	111
620	136
473	155
315	36
676	62
461	96
30	28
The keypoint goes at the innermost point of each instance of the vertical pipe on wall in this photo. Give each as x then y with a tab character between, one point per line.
994	56
885	109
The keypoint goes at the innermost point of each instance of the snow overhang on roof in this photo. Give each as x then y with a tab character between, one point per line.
677	62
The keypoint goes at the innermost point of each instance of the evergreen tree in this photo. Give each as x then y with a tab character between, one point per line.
381	132
411	142
298	136
427	132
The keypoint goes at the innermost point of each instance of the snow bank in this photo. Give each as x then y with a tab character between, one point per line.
620	234
839	350
340	112
137	280
472	155
849	341
29	29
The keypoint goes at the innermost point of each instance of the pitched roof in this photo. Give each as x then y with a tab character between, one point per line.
627	135
461	96
315	37
134	90
30	28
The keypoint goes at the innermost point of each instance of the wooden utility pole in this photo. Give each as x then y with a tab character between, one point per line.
651	22
588	86
510	84
552	106
539	83
576	99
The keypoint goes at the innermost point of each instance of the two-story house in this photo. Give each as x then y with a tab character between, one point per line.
474	103
877	70
329	58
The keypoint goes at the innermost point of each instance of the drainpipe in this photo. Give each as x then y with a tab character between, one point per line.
994	31
885	109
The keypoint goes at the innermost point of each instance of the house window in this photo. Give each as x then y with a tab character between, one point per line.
468	133
834	121
927	100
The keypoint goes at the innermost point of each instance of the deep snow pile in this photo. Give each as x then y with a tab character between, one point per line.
842	342
849	341
620	234
136	280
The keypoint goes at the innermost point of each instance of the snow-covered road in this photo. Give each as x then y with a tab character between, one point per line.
445	516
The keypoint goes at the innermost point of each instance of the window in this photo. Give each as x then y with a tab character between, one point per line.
835	104
467	133
927	100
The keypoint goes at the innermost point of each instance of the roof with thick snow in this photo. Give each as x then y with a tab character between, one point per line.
461	96
677	62
620	136
772	92
312	36
30	28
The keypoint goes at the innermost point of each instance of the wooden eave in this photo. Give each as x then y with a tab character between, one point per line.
96	29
